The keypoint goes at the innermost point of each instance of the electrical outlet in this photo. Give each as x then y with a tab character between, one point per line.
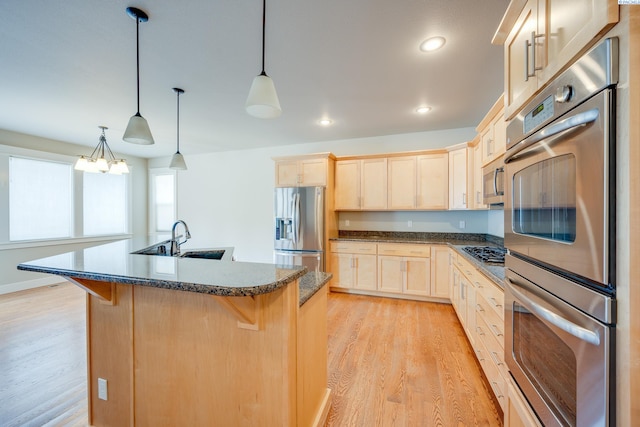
102	389
346	223
409	223
462	224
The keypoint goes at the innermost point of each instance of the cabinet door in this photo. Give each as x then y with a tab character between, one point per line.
470	302
487	142
390	274
477	194
499	136
313	172
373	184
365	272
342	269
517	55
286	173
458	179
417	276
347	185
570	28
440	269
432	181
401	181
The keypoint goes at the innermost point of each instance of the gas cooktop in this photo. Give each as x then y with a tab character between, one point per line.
488	254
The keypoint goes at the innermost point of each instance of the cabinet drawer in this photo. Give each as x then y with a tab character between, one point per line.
404	249
493	344
467	269
489	316
493	295
353	248
493	373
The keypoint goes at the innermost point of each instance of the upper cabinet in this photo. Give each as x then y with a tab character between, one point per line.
458	175
493	133
361	184
303	171
476	200
542	37
396	182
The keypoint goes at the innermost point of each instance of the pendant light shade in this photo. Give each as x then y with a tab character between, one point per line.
263	101
138	131
177	161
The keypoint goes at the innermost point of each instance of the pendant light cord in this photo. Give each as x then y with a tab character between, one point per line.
138	61
178	122
264	20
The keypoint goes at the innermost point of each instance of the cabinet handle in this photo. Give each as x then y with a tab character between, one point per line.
489	142
495	330
480	356
462	290
464	199
479	330
416	252
479	285
479	308
495	384
530	44
478	197
496	358
494	302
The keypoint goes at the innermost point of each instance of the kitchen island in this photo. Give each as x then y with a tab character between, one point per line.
185	341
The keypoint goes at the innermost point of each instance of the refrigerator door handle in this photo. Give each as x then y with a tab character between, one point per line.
296	219
319	219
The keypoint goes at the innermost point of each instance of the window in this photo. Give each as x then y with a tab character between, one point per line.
104	204
162	200
40	199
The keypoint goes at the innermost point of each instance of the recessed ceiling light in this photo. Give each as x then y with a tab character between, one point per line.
325	122
431	44
423	110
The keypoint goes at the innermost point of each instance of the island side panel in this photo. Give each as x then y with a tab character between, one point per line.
314	398
110	356
195	366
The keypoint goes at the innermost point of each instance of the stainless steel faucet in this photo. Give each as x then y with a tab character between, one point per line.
175	245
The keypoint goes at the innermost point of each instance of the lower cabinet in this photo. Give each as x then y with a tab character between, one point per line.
479	304
392	269
353	265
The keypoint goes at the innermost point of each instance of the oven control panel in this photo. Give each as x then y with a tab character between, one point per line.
538	115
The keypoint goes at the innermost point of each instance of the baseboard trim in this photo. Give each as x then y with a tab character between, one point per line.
29	284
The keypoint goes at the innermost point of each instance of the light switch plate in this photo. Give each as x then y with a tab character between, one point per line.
102	389
462	224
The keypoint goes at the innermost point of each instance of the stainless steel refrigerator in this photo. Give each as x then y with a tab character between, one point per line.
299	227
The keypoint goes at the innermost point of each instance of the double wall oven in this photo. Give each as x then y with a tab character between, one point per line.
560	234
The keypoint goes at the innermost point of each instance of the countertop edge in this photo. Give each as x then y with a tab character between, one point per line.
220	290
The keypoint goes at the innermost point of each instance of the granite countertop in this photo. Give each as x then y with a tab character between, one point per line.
114	263
311	283
457	241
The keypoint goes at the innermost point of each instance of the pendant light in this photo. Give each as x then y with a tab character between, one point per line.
262	101
102	159
138	131
177	161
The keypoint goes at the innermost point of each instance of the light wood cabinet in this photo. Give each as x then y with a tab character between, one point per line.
404	268
544	36
361	184
354	265
477	193
401	181
440	268
432	181
493	132
304	171
518	412
458	178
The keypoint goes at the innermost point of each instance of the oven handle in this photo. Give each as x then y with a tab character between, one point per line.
580	119
553	318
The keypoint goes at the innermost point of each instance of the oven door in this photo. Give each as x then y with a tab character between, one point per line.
560	193
559	356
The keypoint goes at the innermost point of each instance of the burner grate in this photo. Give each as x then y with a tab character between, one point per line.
488	254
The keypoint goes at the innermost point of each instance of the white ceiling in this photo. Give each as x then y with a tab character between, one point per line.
68	66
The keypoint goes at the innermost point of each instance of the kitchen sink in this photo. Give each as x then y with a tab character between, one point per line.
211	254
162	249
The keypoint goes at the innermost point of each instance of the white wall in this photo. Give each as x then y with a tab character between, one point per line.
227	198
12	254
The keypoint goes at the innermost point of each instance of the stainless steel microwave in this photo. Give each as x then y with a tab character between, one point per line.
493	182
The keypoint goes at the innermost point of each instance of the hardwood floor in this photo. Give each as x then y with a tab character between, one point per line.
391	363
43	368
403	363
